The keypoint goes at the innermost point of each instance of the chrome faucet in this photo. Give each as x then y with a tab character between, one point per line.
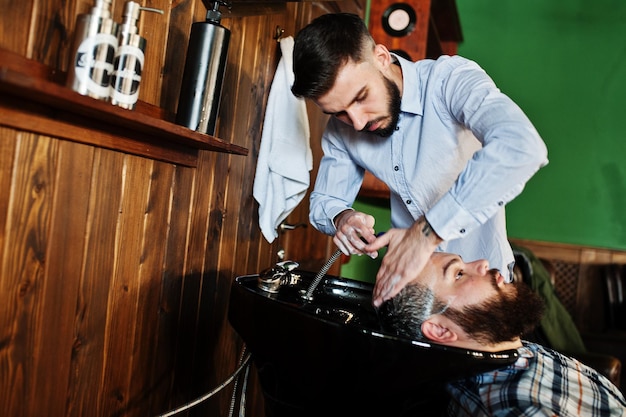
271	279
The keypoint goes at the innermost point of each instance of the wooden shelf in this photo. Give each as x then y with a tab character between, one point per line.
32	99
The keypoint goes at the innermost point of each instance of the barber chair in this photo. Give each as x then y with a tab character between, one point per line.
558	330
605	328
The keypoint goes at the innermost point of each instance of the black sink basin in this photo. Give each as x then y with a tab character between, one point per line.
328	355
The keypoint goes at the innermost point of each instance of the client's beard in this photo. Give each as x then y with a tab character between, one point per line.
504	317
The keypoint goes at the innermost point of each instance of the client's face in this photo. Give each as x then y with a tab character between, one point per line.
458	283
478	299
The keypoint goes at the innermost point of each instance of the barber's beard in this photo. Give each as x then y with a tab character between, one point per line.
394	101
504	317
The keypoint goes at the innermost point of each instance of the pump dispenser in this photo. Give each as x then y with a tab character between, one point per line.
93	51
129	58
201	88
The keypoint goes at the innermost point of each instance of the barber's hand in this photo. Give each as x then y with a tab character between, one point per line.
354	231
408	252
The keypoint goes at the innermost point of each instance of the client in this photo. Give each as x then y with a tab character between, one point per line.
469	305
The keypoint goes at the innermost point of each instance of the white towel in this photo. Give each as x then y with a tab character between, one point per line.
285	158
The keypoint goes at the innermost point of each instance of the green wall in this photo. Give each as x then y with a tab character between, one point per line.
364	268
564	63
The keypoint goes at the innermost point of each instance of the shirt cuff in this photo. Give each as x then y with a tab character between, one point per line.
332	213
335	216
449	220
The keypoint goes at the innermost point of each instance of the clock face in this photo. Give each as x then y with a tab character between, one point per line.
399	19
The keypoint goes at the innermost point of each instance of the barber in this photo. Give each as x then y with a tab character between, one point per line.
451	147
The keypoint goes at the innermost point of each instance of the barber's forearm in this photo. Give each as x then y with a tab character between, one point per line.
425	229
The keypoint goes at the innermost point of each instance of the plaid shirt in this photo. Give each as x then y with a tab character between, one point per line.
541	382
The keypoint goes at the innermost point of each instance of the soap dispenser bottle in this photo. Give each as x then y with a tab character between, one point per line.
129	58
201	88
93	51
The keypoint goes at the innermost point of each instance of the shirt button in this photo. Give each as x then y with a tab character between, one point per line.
397	128
396	168
500	203
408	201
462	231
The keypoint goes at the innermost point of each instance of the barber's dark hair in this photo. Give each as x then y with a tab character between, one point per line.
322	47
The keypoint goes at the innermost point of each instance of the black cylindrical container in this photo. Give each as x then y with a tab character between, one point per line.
201	88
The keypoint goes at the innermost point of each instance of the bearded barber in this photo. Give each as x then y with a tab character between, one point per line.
450	146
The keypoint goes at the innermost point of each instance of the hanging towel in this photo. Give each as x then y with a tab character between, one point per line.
285	158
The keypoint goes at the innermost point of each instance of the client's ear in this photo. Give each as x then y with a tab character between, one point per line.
438	332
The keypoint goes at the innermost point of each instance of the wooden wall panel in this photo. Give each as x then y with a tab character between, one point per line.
115	270
63	267
90	324
16	19
23	271
573	253
155	228
153	27
125	287
180	20
7	156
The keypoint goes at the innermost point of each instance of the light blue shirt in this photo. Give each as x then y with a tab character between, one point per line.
462	150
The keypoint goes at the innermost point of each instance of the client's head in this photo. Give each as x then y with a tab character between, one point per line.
462	304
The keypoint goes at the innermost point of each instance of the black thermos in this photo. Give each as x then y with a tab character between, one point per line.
201	88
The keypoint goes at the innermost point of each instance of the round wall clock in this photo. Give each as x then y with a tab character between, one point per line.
399	19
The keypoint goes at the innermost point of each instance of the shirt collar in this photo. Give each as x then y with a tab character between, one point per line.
411	100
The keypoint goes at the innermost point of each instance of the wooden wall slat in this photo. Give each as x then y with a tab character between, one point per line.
92	300
16	20
204	373
64	267
23	271
169	305
125	287
156	228
152	26
47	33
180	21
6	175
199	247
